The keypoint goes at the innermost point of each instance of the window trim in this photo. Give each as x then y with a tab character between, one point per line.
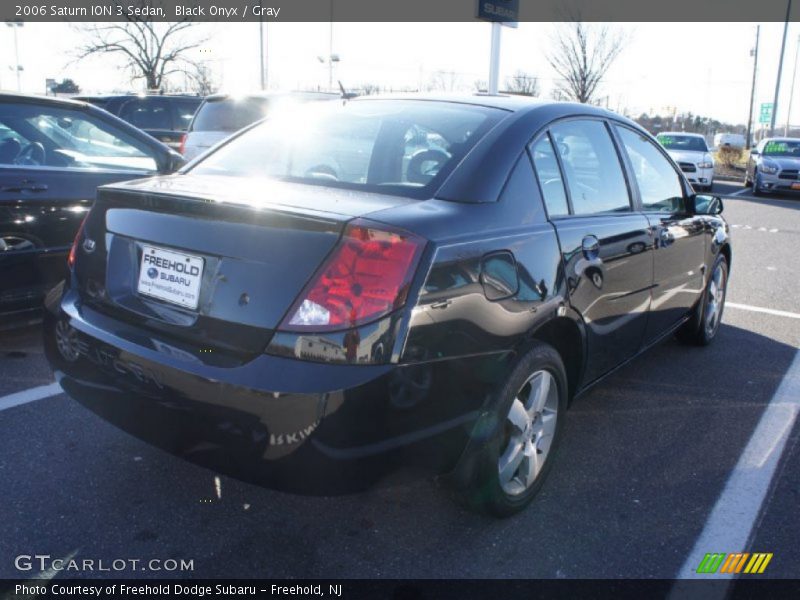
629	165
545	130
539	138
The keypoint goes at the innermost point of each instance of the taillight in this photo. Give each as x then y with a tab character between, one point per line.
182	145
366	277
74	249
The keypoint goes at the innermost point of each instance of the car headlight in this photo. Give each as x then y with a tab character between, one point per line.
768	169
705	165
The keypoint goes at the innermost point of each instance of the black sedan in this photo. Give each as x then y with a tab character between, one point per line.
54	154
386	287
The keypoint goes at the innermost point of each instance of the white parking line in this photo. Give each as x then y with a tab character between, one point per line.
759	309
30	395
730	525
741	191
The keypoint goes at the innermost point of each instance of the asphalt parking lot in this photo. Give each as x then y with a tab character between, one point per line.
670	450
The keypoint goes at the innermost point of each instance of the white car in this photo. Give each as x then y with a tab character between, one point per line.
221	115
691	153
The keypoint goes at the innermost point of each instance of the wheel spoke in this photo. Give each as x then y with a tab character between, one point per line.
509	462
540	389
531	466
518	416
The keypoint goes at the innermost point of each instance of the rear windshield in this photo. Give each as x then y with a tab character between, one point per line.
683	142
229	114
401	147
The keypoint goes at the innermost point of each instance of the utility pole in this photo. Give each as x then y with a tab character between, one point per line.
17	67
261	52
754	54
791	90
780	69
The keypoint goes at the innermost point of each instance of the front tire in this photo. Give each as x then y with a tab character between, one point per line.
512	466
702	328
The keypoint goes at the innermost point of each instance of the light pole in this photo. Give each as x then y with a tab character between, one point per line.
780	69
754	54
791	90
17	67
494	59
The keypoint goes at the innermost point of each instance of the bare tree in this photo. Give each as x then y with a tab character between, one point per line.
152	51
480	85
201	79
523	84
444	81
581	56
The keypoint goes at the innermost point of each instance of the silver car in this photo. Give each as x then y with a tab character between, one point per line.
774	165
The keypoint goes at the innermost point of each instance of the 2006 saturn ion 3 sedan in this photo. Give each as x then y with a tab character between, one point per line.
386	286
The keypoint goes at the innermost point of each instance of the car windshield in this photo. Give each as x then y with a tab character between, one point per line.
782	148
399	147
688	143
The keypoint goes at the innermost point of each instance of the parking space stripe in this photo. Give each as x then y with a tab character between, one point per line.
742	191
30	395
731	522
759	309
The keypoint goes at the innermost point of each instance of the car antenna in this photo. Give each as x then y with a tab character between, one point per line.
345	94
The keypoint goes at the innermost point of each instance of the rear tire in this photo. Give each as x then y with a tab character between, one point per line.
527	426
702	328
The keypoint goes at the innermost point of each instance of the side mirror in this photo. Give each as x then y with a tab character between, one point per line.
706	205
172	162
753	152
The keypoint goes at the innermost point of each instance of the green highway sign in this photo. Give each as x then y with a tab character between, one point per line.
766	112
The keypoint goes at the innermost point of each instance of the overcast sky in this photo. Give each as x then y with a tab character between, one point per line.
704	68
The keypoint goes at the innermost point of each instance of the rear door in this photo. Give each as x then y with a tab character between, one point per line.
606	246
52	158
679	257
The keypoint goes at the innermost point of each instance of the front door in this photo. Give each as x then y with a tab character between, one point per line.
679	256
606	246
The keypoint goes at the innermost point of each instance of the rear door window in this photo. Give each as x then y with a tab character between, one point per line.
592	168
549	176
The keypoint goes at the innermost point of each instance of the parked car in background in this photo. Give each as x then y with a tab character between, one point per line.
314	315
220	115
691	153
164	116
773	166
733	140
53	155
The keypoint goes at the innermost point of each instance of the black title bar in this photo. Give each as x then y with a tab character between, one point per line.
232	11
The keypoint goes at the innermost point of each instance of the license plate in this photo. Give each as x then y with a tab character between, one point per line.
170	276
796	186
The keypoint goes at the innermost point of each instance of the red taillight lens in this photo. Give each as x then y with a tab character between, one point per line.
366	277
74	248
182	145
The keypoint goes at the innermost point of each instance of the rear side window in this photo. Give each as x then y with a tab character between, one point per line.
549	176
229	114
659	185
591	167
147	113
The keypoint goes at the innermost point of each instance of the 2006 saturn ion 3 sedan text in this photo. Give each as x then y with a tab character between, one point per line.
386	286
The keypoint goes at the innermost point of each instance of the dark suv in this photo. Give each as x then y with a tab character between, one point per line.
164	116
393	283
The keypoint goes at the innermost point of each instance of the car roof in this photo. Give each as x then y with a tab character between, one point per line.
686	133
37	99
271	95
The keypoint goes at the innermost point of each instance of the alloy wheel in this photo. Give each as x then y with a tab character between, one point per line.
715	300
529	431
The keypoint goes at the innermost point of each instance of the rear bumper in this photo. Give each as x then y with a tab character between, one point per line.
283	423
